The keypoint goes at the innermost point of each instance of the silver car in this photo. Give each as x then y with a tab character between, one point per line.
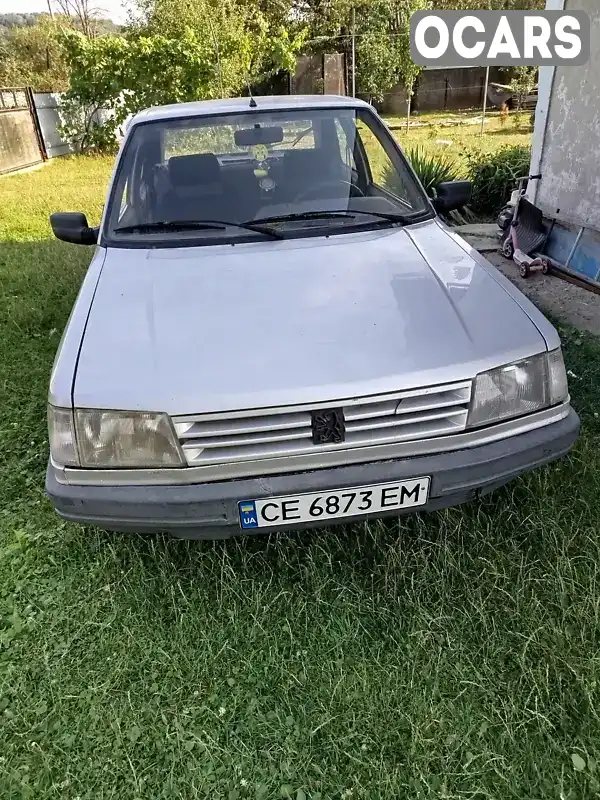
278	331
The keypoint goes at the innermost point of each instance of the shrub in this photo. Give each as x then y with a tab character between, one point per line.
494	176
121	75
86	126
432	168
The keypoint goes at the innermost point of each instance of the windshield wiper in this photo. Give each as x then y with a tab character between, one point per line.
392	216
305	215
340	214
200	224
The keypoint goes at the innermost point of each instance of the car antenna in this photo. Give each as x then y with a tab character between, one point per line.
252	100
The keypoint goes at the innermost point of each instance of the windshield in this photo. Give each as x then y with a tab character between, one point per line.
214	178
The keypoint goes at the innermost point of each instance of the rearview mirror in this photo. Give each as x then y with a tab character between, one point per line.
452	195
247	137
72	226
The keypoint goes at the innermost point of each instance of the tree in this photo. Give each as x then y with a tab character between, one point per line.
83	13
383	47
523	83
489	5
247	44
31	55
8	21
124	74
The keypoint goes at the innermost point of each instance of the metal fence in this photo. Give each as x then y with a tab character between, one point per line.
46	106
320	73
21	142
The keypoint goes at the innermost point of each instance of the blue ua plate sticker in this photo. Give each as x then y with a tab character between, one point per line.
248	516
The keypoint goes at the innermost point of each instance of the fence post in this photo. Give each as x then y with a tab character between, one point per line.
485	91
353	51
36	122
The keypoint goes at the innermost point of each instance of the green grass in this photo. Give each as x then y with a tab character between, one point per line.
452	655
464	138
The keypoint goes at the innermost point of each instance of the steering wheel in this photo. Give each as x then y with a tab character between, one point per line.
320	191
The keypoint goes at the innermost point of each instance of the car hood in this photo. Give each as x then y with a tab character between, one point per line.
193	330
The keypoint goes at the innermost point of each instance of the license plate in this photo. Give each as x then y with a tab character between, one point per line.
320	506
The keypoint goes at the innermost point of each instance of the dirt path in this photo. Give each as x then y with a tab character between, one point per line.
573	304
565	301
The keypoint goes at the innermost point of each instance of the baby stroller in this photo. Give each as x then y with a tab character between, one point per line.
523	230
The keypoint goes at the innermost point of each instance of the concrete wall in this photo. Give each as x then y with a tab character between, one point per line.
567	135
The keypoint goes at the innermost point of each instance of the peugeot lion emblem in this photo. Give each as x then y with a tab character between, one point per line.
328	426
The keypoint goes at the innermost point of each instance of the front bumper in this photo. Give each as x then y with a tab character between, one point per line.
209	510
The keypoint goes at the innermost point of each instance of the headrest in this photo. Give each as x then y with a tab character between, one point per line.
201	168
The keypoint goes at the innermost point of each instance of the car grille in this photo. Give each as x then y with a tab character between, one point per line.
267	433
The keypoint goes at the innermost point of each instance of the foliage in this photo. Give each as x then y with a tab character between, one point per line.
495	176
383	47
87	125
489	5
248	44
125	74
521	119
251	39
523	83
30	55
432	168
8	21
382	42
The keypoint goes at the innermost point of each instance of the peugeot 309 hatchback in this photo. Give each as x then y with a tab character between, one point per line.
277	331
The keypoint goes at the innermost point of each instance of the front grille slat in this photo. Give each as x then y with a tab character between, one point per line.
373	423
282	422
247	439
213	439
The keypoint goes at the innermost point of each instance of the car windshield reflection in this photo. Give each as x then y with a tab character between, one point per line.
313	169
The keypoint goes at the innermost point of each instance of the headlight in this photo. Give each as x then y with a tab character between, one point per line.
61	433
517	389
557	378
112	439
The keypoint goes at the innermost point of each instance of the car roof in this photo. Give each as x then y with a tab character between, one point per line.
234	105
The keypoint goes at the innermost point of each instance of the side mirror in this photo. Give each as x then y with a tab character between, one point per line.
72	226
452	195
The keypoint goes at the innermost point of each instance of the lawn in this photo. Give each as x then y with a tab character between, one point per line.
451	655
457	133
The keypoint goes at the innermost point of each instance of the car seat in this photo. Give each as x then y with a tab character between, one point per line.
196	191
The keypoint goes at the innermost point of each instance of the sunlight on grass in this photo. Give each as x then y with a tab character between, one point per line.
451	655
463	138
66	184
